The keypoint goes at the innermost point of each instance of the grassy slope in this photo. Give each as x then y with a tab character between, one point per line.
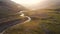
37	25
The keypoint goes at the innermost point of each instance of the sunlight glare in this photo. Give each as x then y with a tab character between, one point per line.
31	4
27	2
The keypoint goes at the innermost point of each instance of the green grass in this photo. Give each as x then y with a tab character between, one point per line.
51	22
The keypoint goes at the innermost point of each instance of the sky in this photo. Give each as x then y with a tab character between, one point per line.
38	4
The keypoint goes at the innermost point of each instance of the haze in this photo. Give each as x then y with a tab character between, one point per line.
39	4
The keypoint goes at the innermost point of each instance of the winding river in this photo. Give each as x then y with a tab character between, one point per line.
4	26
23	15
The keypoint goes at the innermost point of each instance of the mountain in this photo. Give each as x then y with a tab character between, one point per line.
8	8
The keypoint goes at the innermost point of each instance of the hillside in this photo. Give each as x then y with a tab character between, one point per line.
9	10
45	21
